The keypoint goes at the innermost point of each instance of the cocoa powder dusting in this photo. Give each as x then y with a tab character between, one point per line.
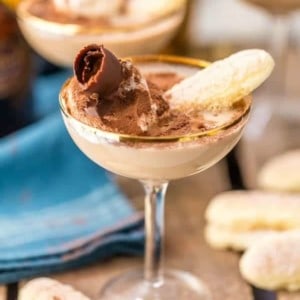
164	80
122	110
138	109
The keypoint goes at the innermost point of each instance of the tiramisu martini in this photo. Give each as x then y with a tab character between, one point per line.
157	118
58	29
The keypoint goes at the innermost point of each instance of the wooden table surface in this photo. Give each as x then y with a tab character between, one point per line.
185	245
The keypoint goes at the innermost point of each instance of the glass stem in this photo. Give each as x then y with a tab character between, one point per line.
280	36
279	49
154	226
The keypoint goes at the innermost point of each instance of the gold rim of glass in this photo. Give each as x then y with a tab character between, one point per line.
72	29
160	139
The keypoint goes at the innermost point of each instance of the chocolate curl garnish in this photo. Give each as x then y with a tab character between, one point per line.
98	70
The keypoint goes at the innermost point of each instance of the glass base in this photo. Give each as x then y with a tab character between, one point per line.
175	285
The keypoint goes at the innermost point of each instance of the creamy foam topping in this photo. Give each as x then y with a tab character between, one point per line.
156	78
88	8
114	13
161	99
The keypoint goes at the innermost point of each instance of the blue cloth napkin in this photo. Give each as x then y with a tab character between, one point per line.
45	92
58	210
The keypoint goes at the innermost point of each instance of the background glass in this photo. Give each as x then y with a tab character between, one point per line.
66	39
275	123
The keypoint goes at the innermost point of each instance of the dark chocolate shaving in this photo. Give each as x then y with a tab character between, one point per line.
98	70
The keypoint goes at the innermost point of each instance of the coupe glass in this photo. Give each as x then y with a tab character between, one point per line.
60	42
154	161
279	41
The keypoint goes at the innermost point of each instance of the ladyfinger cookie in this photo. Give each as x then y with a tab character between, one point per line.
225	238
273	263
48	289
254	210
281	173
224	82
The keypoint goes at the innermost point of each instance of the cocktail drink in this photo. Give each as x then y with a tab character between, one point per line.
158	118
58	29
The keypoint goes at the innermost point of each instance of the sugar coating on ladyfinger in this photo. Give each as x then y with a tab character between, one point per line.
224	82
220	237
46	289
273	263
254	210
